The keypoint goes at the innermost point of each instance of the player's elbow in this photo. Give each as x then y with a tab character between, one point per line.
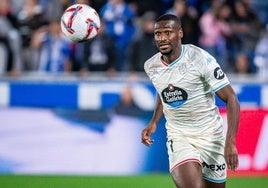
233	102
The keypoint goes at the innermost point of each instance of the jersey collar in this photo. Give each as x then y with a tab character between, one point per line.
177	60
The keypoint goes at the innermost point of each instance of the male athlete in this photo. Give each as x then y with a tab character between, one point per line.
186	79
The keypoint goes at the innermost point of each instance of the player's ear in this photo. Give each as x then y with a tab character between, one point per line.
180	32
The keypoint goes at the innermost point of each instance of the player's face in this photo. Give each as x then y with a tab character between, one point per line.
167	35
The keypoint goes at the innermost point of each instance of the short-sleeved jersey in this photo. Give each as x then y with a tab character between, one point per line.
187	87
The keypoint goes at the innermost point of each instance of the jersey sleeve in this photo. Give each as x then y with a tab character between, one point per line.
212	72
147	68
151	65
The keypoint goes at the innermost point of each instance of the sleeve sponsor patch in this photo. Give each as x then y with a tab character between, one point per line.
218	73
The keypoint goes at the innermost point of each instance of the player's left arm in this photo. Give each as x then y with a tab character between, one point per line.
228	95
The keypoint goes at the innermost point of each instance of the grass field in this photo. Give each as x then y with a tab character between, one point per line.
144	181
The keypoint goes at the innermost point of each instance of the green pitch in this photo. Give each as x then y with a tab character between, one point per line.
142	181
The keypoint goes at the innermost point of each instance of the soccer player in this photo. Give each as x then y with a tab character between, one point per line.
186	79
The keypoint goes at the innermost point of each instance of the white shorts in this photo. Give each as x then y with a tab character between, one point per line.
208	151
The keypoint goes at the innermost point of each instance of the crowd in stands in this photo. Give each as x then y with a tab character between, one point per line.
235	32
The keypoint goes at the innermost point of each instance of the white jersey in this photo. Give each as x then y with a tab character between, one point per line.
187	87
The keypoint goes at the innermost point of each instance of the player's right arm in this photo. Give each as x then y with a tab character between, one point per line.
151	127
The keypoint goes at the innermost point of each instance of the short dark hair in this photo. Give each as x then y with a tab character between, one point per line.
172	17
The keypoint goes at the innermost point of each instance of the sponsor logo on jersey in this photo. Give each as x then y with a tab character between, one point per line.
174	96
214	167
209	59
218	73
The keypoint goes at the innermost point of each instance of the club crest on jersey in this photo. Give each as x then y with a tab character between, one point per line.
218	73
182	68
174	96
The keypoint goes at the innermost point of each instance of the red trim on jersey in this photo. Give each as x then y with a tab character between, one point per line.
163	62
185	161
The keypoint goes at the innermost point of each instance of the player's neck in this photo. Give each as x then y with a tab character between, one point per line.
172	56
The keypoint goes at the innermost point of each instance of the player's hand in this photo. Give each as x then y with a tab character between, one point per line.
231	156
146	134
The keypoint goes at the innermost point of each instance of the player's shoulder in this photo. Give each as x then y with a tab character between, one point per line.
152	60
197	54
191	49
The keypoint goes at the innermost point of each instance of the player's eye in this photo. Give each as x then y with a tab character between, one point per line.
168	32
157	34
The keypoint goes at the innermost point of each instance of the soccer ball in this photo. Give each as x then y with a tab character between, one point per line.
80	23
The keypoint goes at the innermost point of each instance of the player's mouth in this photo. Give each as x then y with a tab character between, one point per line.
164	46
